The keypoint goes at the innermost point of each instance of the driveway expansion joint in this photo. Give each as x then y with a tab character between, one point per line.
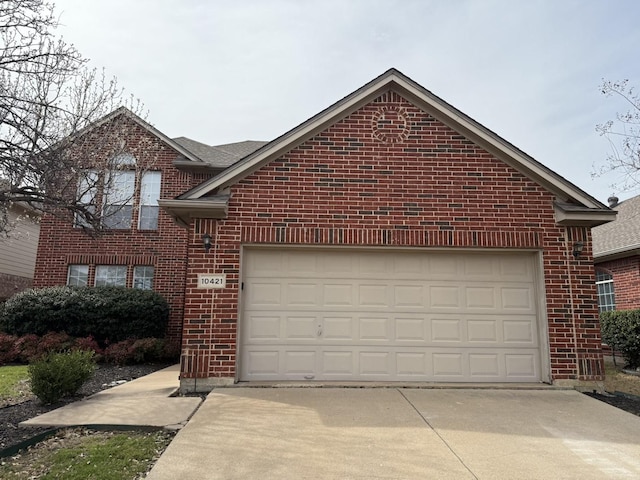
449	447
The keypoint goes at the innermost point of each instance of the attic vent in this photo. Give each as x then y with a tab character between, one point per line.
390	124
613	201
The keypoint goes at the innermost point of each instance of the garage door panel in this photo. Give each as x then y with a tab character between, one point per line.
521	366
484	365
265	294
376	296
446	330
414	316
517	299
518	331
301	328
300	363
337	363
444	297
447	365
412	366
337	295
338	329
482	331
411	330
409	296
443	267
264	327
265	364
376	364
480	298
301	295
373	329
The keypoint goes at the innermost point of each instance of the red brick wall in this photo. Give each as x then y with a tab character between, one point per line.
165	248
626	281
391	175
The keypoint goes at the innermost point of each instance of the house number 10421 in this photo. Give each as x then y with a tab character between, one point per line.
206	280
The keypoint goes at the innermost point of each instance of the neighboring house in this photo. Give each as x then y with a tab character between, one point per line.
18	251
616	254
388	238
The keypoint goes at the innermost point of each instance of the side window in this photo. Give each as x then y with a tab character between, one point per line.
78	275
113	275
149	195
606	293
143	277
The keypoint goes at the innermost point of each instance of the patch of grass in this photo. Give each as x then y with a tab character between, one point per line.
13	383
618	381
79	454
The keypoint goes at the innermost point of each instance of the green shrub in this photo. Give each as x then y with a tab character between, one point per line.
109	314
621	331
57	375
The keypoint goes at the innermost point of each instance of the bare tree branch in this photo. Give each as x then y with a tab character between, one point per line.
48	97
623	134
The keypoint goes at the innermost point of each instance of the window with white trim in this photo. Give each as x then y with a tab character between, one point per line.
119	195
606	292
87	192
78	275
143	277
149	195
117	209
111	275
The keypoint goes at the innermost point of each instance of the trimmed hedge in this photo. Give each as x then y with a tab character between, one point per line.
621	331
109	314
30	348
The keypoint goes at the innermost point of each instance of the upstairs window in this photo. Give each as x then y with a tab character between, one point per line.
118	192
606	293
117	210
149	195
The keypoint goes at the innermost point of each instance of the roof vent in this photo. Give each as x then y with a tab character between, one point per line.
613	201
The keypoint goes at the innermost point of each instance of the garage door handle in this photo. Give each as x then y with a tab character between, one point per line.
319	330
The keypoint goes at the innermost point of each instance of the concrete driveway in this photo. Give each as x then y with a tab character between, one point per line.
395	433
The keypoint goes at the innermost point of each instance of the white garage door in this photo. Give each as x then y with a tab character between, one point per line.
353	315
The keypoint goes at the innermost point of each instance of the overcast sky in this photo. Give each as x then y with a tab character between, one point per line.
227	71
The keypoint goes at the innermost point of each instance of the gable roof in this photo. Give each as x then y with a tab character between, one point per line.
124	111
620	238
573	205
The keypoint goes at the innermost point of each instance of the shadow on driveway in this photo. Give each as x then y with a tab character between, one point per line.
384	433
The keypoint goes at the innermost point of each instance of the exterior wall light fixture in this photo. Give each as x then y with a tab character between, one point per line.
577	249
206	242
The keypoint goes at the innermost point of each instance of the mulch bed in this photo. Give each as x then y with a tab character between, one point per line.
104	376
623	401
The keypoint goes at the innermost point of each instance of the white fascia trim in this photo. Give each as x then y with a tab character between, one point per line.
584	218
440	109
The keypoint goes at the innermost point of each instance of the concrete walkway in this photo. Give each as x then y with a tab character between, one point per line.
145	401
392	433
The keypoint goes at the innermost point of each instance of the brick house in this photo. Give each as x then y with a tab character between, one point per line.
616	254
388	238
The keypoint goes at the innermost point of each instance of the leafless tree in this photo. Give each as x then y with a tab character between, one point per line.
623	134
49	100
